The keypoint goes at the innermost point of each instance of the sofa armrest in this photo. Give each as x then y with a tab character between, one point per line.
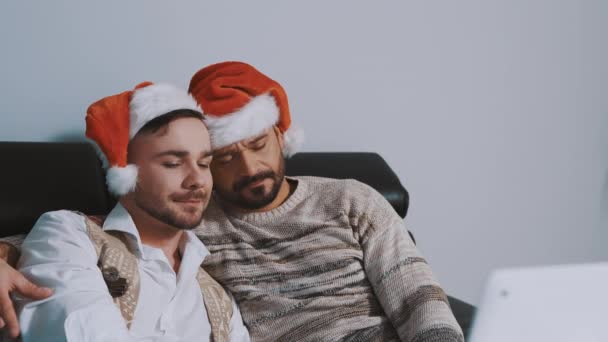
464	313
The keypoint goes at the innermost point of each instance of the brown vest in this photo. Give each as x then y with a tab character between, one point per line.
113	252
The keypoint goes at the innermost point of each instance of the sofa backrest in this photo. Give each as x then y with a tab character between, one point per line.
40	177
365	167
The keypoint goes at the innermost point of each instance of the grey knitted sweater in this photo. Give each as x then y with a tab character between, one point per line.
332	263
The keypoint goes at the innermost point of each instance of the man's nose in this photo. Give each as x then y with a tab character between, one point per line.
248	163
196	177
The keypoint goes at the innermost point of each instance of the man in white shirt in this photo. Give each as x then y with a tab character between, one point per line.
134	275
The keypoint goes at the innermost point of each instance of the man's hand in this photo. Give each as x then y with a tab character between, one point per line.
11	280
9	253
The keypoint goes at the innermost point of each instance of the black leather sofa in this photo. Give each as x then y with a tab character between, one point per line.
40	177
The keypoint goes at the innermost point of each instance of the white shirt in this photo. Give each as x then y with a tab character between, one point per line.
58	254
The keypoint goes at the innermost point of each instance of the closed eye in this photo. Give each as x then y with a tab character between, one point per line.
258	146
224	158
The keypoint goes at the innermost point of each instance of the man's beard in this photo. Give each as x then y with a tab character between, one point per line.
261	199
162	212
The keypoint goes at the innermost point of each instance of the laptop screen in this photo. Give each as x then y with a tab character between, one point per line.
554	303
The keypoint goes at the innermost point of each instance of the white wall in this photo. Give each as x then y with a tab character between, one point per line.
493	113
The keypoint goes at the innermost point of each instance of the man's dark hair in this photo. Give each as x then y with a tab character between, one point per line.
159	122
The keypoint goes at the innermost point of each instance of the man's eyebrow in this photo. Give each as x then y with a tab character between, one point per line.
175	153
256	139
181	154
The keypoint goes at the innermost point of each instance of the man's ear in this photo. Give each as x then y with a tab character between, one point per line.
280	137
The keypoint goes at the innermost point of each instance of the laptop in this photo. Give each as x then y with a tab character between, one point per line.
566	303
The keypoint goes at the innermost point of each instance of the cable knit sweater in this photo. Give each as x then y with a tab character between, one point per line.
332	263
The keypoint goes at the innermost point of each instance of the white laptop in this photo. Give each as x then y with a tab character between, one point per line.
567	303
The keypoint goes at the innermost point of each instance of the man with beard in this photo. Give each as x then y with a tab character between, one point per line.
306	258
136	274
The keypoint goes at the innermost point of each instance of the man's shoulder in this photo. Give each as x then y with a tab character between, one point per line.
351	189
348	196
58	236
58	222
62	216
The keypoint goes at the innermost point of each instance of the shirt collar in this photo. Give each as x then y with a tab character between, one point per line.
193	253
120	220
190	240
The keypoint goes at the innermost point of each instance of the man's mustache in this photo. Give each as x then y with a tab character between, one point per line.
244	181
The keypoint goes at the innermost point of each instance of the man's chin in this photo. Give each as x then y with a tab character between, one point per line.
188	219
255	194
188	223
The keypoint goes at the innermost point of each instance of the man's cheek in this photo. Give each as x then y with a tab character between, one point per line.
209	181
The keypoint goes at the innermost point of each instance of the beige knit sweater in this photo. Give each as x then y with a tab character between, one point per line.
332	263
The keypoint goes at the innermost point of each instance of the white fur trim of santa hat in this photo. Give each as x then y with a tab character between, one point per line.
293	140
252	119
155	100
121	180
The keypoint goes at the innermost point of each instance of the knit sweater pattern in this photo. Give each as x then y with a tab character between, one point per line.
334	262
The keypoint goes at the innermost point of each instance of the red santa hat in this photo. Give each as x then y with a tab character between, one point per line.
114	120
240	102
